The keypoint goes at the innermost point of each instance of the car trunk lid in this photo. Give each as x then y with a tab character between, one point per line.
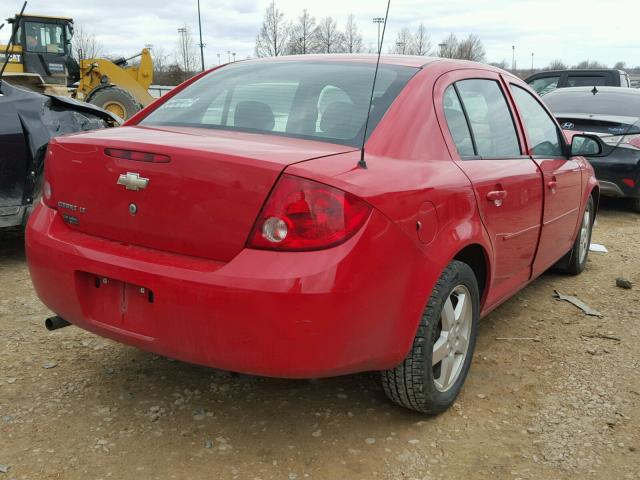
202	202
600	124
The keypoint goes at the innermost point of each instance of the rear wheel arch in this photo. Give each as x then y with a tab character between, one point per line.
476	257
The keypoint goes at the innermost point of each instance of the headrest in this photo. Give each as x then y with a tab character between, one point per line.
254	115
338	120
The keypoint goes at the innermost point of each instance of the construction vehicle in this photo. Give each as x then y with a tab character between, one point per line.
41	60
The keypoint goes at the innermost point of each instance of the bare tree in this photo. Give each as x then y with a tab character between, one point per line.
404	42
620	65
556	64
85	44
448	48
302	38
328	37
504	65
352	37
274	34
421	44
588	64
471	48
186	53
161	65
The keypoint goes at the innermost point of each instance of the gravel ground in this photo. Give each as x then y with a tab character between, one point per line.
565	403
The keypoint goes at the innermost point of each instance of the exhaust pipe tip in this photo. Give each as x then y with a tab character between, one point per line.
54	323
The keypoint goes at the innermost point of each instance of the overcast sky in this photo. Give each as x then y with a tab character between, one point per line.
569	30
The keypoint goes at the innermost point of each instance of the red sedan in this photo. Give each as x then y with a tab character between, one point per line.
237	223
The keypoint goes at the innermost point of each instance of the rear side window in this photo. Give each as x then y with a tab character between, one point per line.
490	118
457	123
586	81
544	85
541	129
325	101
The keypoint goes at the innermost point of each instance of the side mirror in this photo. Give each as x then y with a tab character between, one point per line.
586	145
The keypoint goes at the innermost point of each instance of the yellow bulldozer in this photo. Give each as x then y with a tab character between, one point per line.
41	60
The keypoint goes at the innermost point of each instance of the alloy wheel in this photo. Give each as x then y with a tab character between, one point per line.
452	341
585	227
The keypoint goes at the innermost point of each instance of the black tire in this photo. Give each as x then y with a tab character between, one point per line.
635	204
574	262
412	384
115	100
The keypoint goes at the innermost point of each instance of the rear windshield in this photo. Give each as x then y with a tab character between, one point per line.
623	103
325	101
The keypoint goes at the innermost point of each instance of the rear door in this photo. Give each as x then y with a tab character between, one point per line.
562	178
483	140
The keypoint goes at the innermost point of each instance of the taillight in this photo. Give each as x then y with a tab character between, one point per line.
302	214
47	190
629	141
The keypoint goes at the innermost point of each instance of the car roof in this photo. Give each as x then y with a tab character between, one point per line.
415	61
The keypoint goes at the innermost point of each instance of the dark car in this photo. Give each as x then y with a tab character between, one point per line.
28	121
614	115
545	82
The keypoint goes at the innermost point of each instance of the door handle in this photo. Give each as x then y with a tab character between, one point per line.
497	196
552	184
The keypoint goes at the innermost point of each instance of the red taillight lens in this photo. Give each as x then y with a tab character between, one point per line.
137	156
302	214
47	191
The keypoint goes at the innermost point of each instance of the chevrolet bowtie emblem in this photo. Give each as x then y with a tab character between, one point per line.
133	181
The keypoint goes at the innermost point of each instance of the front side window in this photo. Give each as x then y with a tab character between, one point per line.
325	101
544	85
491	122
541	129
44	37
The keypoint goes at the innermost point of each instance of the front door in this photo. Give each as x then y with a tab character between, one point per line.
562	180
507	184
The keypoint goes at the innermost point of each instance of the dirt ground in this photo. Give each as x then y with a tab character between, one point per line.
564	405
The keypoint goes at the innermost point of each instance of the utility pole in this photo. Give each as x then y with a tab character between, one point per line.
183	45
200	44
379	21
513	58
218	59
532	60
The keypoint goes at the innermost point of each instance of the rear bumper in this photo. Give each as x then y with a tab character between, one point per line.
283	314
618	173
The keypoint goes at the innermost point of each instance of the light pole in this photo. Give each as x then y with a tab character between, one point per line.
379	21
513	58
234	56
532	54
201	44
218	59
228	56
183	43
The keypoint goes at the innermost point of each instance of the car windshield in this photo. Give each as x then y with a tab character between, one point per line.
326	101
622	103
